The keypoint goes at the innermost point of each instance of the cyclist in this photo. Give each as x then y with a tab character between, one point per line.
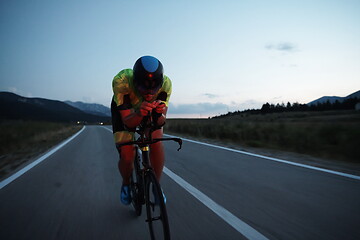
137	92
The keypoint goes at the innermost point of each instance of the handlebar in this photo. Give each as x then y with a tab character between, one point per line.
143	142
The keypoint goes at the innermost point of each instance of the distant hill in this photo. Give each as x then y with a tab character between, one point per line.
13	106
333	99
326	103
354	95
92	108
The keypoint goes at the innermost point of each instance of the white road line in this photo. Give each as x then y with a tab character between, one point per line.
224	214
243	228
240	226
36	162
274	159
269	158
107	129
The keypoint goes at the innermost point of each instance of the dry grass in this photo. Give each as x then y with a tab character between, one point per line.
23	140
334	135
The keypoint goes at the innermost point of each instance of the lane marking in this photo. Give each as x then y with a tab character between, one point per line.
268	158
243	228
274	159
108	129
39	160
232	220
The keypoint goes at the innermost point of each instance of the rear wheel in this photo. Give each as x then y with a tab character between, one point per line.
157	218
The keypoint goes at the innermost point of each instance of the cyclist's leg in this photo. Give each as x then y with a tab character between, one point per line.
126	154
121	134
125	164
157	156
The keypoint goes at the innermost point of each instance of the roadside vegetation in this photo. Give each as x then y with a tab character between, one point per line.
328	134
23	140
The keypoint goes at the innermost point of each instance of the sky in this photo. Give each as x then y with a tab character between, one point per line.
221	56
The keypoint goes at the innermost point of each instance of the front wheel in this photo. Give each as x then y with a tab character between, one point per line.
136	185
156	210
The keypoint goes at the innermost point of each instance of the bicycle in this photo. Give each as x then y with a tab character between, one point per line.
145	188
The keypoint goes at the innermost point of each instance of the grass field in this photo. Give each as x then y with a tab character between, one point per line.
22	140
333	134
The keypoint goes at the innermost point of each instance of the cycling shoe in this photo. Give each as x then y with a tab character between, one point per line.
125	195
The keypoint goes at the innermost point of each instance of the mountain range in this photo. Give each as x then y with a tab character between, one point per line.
91	108
333	99
13	106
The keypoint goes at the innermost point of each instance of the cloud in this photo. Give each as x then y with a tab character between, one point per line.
247	104
13	90
282	46
198	108
18	91
277	98
206	109
87	99
210	95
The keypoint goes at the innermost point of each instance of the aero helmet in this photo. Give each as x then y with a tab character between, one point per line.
148	75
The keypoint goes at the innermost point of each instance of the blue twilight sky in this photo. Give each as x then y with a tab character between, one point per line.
220	55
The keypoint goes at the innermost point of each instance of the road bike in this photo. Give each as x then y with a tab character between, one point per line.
145	188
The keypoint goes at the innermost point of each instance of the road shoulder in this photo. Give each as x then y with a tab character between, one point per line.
330	164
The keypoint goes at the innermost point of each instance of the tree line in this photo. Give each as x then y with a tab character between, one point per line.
346	104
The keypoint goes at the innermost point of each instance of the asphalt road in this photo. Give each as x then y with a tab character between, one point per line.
74	194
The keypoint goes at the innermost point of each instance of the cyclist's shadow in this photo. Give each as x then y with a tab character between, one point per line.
128	223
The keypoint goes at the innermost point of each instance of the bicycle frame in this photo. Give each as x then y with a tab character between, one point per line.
145	177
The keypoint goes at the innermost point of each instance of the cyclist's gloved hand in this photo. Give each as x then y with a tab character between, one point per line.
160	106
146	107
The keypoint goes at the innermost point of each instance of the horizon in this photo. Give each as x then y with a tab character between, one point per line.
197	115
221	57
